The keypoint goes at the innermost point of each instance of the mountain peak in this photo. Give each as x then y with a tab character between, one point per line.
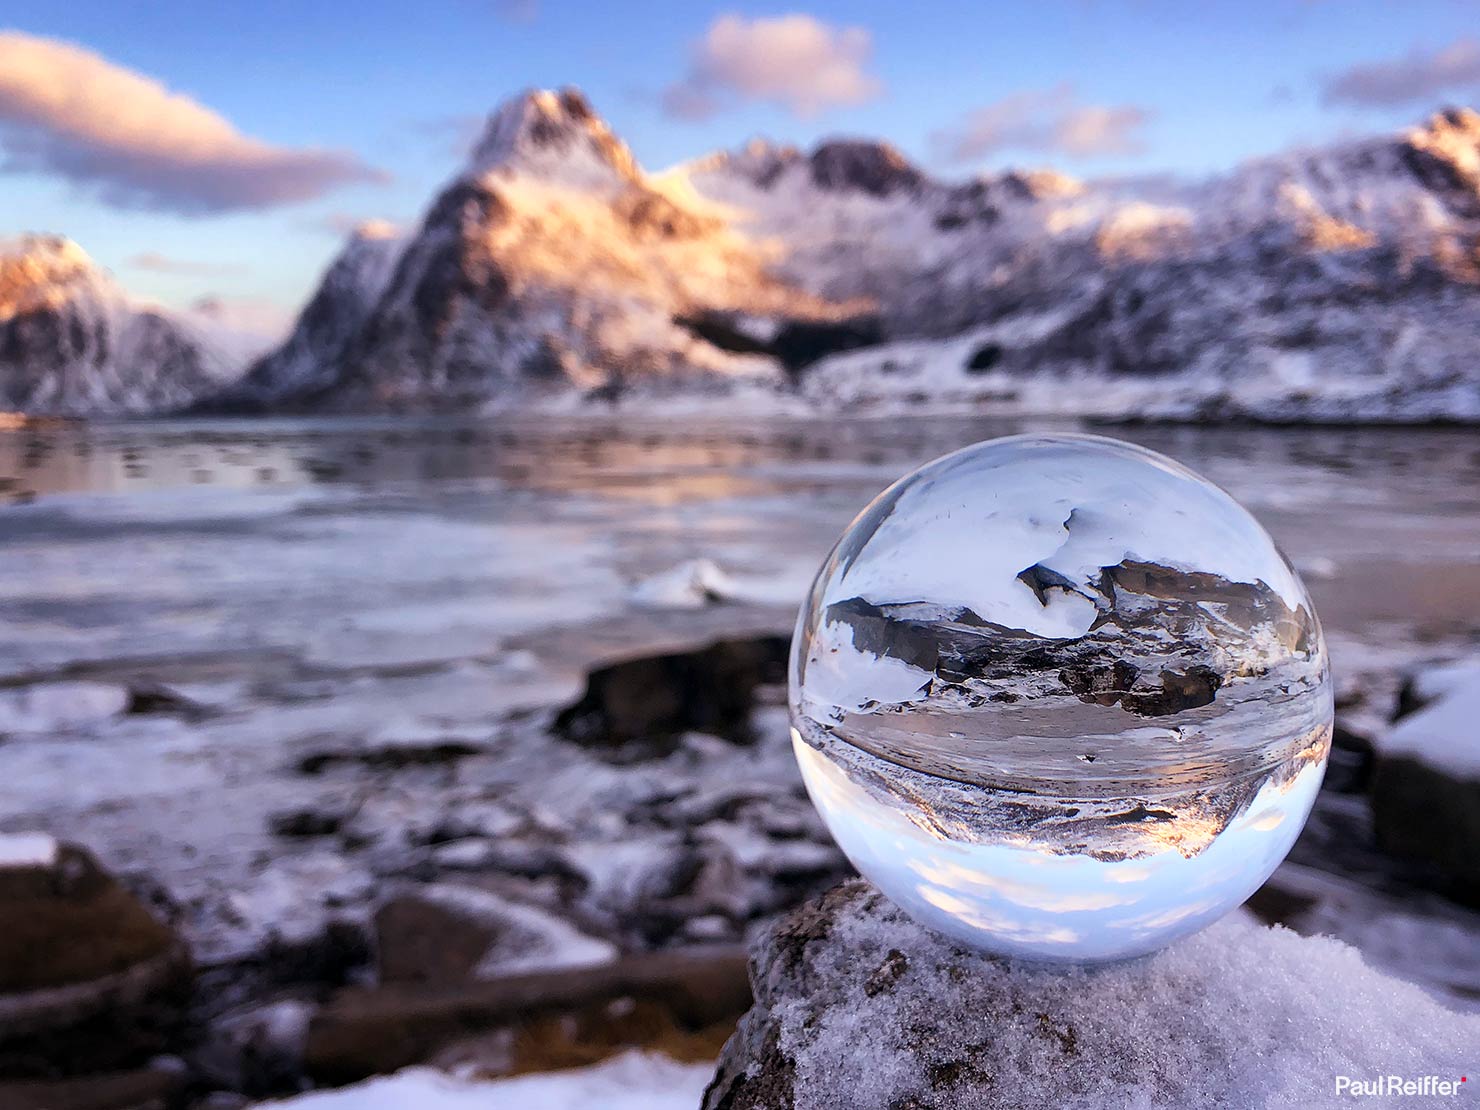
873	167
1444	154
40	270
553	133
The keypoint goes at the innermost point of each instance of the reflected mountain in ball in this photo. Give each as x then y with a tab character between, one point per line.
1061	698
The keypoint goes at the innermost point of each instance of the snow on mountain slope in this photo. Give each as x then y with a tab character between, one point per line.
1338	283
305	363
72	343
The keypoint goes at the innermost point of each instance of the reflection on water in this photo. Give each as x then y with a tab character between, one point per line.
1018	898
670	462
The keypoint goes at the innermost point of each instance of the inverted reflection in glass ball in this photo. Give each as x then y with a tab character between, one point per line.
1061	698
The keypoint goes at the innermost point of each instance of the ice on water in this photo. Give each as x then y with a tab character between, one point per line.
1060	697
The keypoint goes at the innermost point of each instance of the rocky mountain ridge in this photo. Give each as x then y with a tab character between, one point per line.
1340	283
73	343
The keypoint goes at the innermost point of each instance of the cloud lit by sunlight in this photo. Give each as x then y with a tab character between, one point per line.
69	112
795	61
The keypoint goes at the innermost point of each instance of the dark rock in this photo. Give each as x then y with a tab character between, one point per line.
1103	685
307	822
984	358
256	1050
1275	904
157	698
1425	782
89	979
799	343
1426	814
709	690
869	167
720	330
419	941
390	756
366	1032
1349	770
145	1089
1179	690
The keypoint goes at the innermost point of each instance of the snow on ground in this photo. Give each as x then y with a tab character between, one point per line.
27	850
631	1081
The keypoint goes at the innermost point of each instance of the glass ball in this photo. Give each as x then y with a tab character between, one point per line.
1060	698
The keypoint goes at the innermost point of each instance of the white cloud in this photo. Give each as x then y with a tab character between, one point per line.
164	264
1418	76
795	61
343	224
1051	121
67	111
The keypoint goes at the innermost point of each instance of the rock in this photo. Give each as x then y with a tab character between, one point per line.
89	979
656	697
856	1005
145	1089
309	821
257	1049
528	1021
442	934
154	697
1349	769
390	755
1426	780
869	167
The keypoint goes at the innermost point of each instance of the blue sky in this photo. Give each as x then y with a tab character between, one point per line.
1089	86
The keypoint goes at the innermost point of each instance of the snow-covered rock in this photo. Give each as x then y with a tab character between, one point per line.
691	584
1426	779
57	706
446	932
73	343
1336	283
858	1006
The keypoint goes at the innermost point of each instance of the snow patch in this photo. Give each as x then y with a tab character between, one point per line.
630	1081
26	850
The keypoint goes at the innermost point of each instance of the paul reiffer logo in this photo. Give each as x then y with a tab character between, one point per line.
1390	1086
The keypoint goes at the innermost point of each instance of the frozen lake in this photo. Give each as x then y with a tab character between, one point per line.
313	582
346	542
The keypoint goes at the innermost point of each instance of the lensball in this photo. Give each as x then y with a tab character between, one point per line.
1060	698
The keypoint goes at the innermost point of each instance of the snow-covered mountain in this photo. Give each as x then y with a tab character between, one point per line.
1335	283
551	262
72	342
